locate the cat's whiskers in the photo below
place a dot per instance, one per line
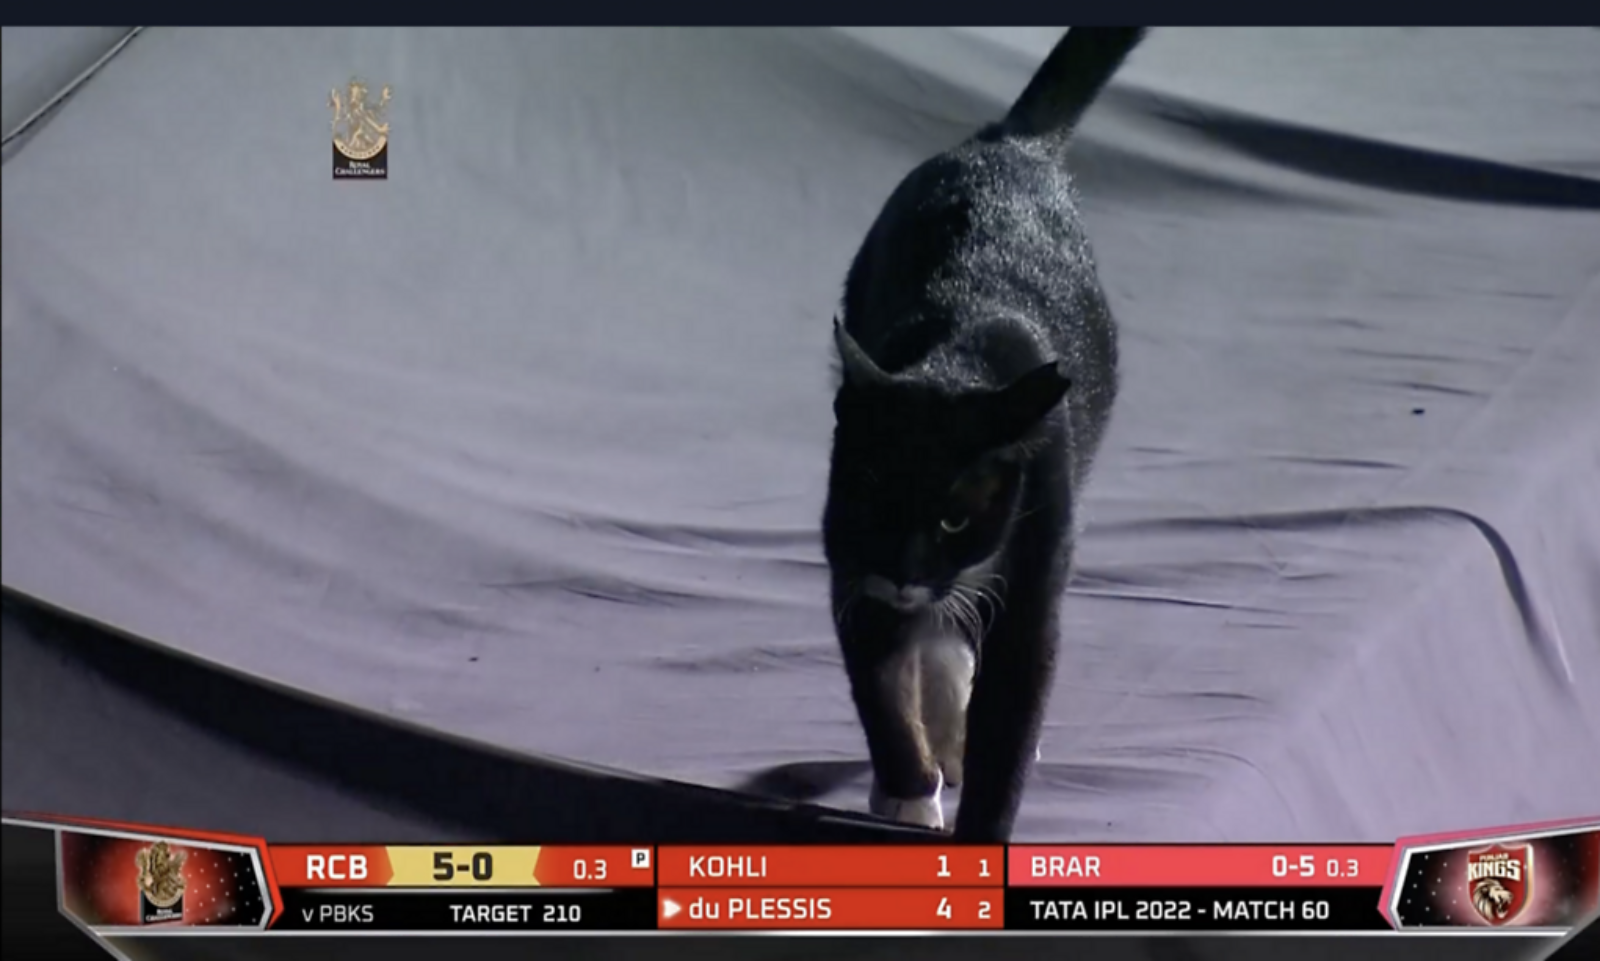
(941, 616)
(992, 604)
(996, 600)
(963, 613)
(978, 590)
(944, 611)
(991, 607)
(974, 618)
(1019, 518)
(852, 594)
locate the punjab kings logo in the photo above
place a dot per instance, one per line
(1500, 880)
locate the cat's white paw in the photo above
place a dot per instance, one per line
(924, 812)
(950, 766)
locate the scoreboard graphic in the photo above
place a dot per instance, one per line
(123, 879)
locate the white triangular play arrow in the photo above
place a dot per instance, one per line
(670, 908)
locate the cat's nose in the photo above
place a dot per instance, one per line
(899, 594)
(912, 595)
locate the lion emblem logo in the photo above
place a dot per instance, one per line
(360, 127)
(1500, 881)
(1492, 899)
(161, 874)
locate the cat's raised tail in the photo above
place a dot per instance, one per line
(1070, 79)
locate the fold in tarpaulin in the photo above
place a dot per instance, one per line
(42, 67)
(186, 742)
(526, 444)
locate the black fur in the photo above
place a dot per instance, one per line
(971, 310)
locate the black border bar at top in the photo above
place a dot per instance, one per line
(1353, 13)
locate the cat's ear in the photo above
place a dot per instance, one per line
(858, 369)
(1016, 409)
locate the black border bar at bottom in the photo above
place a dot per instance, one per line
(1195, 909)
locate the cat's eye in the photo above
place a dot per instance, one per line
(954, 525)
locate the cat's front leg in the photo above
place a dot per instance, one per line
(1004, 719)
(879, 657)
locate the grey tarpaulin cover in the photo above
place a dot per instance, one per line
(526, 444)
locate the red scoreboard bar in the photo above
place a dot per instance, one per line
(1176, 865)
(179, 881)
(1198, 887)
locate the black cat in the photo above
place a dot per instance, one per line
(971, 312)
